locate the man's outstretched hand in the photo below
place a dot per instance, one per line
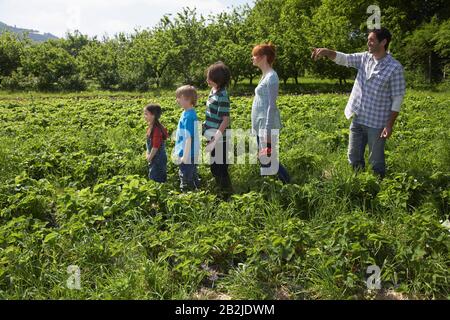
(318, 53)
(322, 52)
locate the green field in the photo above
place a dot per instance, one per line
(73, 191)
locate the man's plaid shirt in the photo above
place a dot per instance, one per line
(372, 94)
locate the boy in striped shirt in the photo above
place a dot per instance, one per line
(217, 121)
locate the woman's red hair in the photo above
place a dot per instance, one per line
(265, 50)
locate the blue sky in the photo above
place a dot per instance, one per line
(99, 17)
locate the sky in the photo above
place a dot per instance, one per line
(100, 17)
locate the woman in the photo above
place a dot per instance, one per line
(266, 120)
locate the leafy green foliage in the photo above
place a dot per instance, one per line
(52, 67)
(74, 191)
(179, 48)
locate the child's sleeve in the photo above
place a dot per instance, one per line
(189, 125)
(157, 138)
(224, 107)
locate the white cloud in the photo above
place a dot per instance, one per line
(97, 17)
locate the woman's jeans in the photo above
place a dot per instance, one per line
(282, 173)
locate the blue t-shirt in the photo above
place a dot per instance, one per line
(187, 127)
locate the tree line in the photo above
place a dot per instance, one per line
(180, 47)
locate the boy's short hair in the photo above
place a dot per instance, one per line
(219, 74)
(188, 92)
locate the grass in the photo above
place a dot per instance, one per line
(74, 192)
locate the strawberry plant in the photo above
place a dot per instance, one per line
(74, 191)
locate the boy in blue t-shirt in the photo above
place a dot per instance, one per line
(187, 139)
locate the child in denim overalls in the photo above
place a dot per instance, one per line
(156, 149)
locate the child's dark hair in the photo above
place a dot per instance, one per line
(156, 110)
(219, 74)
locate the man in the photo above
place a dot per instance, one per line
(375, 99)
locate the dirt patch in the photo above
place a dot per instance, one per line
(282, 293)
(208, 294)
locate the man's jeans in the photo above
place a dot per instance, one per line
(360, 136)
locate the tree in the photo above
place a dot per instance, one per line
(52, 67)
(74, 42)
(337, 25)
(163, 52)
(11, 49)
(414, 12)
(98, 61)
(419, 51)
(134, 69)
(179, 48)
(264, 19)
(442, 45)
(232, 39)
(151, 53)
(294, 54)
(192, 48)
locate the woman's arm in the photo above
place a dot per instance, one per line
(270, 116)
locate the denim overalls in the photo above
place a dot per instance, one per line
(158, 167)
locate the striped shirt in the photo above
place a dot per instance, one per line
(217, 107)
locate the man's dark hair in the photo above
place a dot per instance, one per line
(382, 34)
(219, 74)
